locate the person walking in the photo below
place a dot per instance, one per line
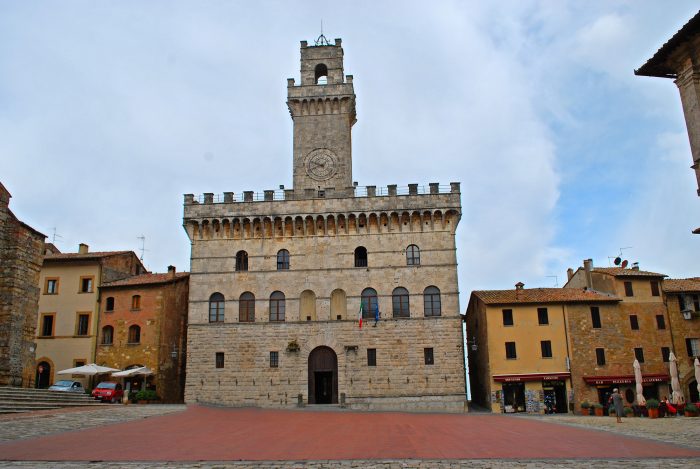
(616, 398)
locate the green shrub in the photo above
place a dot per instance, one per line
(628, 411)
(691, 409)
(146, 395)
(597, 406)
(652, 404)
(585, 405)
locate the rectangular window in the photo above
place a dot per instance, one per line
(600, 356)
(660, 321)
(428, 356)
(79, 362)
(510, 351)
(219, 359)
(628, 289)
(634, 322)
(595, 317)
(542, 316)
(507, 317)
(86, 284)
(274, 359)
(681, 302)
(371, 357)
(665, 353)
(639, 354)
(82, 324)
(655, 288)
(47, 325)
(696, 302)
(51, 286)
(136, 302)
(546, 346)
(693, 347)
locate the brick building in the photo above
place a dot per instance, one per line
(683, 304)
(277, 280)
(143, 322)
(69, 303)
(519, 350)
(605, 342)
(21, 251)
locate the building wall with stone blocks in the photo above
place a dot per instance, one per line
(21, 250)
(161, 317)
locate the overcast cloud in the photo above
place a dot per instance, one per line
(110, 111)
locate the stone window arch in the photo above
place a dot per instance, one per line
(399, 303)
(246, 307)
(107, 335)
(134, 334)
(307, 306)
(369, 302)
(339, 304)
(321, 74)
(109, 304)
(431, 301)
(277, 306)
(361, 256)
(412, 255)
(241, 261)
(136, 302)
(282, 259)
(216, 307)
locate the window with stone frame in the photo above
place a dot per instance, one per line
(82, 324)
(136, 302)
(361, 256)
(600, 356)
(274, 359)
(86, 284)
(246, 307)
(428, 356)
(400, 303)
(639, 354)
(692, 346)
(219, 359)
(412, 255)
(134, 334)
(277, 306)
(51, 286)
(431, 301)
(371, 357)
(241, 261)
(107, 335)
(47, 323)
(283, 259)
(369, 303)
(217, 305)
(109, 304)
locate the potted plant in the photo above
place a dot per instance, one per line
(146, 396)
(653, 408)
(598, 409)
(629, 412)
(585, 408)
(691, 410)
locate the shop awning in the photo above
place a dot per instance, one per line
(626, 379)
(531, 377)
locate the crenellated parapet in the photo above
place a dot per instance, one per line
(389, 210)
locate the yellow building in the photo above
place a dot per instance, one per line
(69, 305)
(518, 347)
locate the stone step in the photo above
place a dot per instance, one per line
(62, 402)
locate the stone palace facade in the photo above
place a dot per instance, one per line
(279, 280)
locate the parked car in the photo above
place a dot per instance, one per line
(108, 391)
(68, 386)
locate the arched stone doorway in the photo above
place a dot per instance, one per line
(43, 375)
(323, 376)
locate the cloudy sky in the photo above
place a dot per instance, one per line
(110, 111)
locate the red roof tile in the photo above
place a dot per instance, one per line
(542, 295)
(679, 285)
(86, 256)
(146, 279)
(620, 272)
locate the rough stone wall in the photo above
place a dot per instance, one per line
(162, 319)
(479, 366)
(682, 329)
(401, 379)
(120, 266)
(21, 250)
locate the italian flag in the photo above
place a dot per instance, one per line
(360, 315)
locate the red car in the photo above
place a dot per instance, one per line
(108, 391)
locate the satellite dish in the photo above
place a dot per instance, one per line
(618, 260)
(624, 264)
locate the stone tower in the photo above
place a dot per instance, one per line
(323, 110)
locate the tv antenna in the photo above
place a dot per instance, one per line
(143, 245)
(556, 280)
(618, 260)
(55, 235)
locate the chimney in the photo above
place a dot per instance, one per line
(519, 285)
(569, 273)
(635, 266)
(171, 271)
(83, 248)
(588, 267)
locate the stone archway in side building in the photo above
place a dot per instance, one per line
(43, 374)
(323, 376)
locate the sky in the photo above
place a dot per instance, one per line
(111, 111)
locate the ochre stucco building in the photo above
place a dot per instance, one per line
(66, 328)
(143, 322)
(277, 279)
(21, 251)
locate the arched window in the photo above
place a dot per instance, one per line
(216, 307)
(136, 302)
(246, 307)
(241, 261)
(109, 306)
(361, 257)
(134, 335)
(399, 303)
(277, 306)
(370, 306)
(431, 301)
(107, 335)
(283, 259)
(412, 255)
(339, 304)
(321, 74)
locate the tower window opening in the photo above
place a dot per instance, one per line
(321, 74)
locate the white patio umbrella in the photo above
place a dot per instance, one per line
(676, 394)
(697, 373)
(638, 380)
(142, 370)
(87, 370)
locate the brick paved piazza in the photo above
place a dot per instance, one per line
(205, 437)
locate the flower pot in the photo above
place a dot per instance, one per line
(653, 413)
(585, 411)
(599, 411)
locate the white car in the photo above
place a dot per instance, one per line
(68, 386)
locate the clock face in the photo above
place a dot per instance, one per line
(320, 164)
